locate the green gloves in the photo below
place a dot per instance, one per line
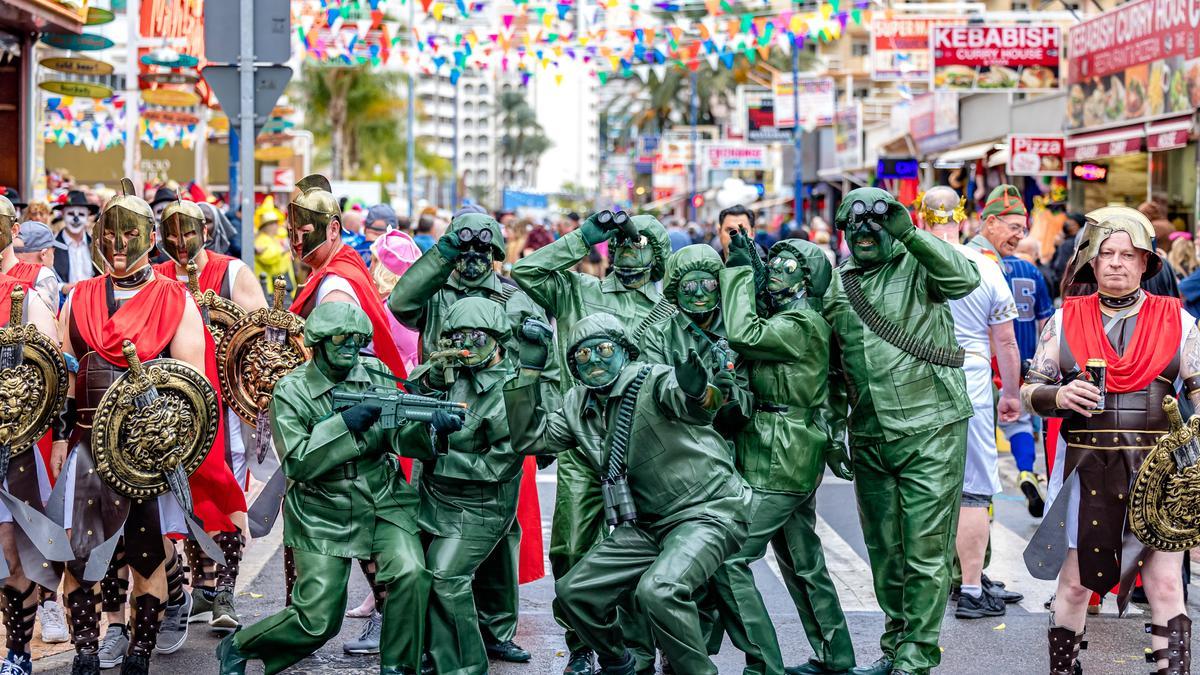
(534, 344)
(724, 381)
(692, 376)
(448, 245)
(742, 253)
(837, 458)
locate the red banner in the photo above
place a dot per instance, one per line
(989, 58)
(900, 46)
(1036, 155)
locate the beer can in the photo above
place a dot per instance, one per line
(1095, 373)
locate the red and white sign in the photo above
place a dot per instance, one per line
(1036, 155)
(1101, 144)
(900, 46)
(991, 58)
(733, 156)
(1168, 134)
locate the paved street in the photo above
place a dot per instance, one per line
(1012, 644)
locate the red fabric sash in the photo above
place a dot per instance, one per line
(1155, 340)
(150, 319)
(24, 272)
(7, 284)
(531, 566)
(210, 277)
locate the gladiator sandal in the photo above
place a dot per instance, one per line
(19, 614)
(1178, 652)
(370, 570)
(147, 619)
(174, 581)
(83, 614)
(232, 544)
(1065, 645)
(114, 590)
(198, 566)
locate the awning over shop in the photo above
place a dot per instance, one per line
(952, 159)
(1156, 136)
(998, 158)
(1168, 134)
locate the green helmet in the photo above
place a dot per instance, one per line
(817, 270)
(654, 232)
(486, 315)
(335, 318)
(689, 259)
(868, 197)
(598, 325)
(482, 221)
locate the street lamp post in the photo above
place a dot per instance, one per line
(695, 112)
(797, 135)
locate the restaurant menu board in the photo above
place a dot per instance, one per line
(900, 47)
(1036, 155)
(996, 58)
(1136, 62)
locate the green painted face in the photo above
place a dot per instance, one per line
(869, 243)
(479, 345)
(633, 260)
(339, 353)
(786, 274)
(699, 293)
(598, 362)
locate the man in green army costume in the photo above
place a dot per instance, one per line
(460, 266)
(347, 500)
(908, 413)
(629, 293)
(679, 508)
(783, 452)
(468, 495)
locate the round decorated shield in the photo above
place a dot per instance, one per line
(33, 380)
(1164, 503)
(260, 348)
(157, 416)
(221, 312)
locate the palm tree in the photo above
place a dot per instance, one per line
(522, 140)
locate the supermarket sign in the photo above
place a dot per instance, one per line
(996, 58)
(900, 47)
(733, 156)
(1036, 155)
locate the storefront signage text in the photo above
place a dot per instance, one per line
(891, 168)
(1036, 155)
(1092, 173)
(900, 47)
(989, 58)
(732, 156)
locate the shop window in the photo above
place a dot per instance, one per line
(860, 49)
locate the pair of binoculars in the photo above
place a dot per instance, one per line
(618, 501)
(620, 221)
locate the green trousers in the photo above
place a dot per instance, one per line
(319, 602)
(908, 497)
(788, 523)
(661, 568)
(496, 589)
(472, 520)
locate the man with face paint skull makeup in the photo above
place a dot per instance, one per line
(348, 501)
(181, 238)
(159, 317)
(74, 263)
(469, 495)
(460, 266)
(782, 454)
(677, 505)
(908, 413)
(639, 254)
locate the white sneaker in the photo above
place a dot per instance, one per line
(54, 624)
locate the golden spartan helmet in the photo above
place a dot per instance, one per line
(315, 205)
(1102, 224)
(181, 231)
(8, 218)
(126, 229)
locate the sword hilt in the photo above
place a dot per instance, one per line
(193, 278)
(280, 291)
(17, 309)
(1171, 407)
(135, 364)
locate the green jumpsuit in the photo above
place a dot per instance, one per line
(692, 505)
(468, 495)
(568, 297)
(420, 301)
(346, 500)
(907, 426)
(782, 456)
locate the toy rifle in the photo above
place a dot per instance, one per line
(398, 406)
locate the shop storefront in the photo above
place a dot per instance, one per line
(21, 21)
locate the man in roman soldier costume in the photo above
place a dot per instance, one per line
(32, 387)
(1104, 363)
(111, 323)
(181, 238)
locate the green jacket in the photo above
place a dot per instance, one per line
(339, 483)
(425, 292)
(570, 296)
(788, 358)
(892, 394)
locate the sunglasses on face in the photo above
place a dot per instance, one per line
(477, 338)
(354, 339)
(788, 265)
(690, 287)
(605, 350)
(467, 235)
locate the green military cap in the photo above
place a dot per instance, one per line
(482, 313)
(335, 318)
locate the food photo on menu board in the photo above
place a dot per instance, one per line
(983, 58)
(1147, 90)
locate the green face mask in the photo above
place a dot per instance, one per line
(698, 293)
(339, 353)
(479, 345)
(598, 362)
(786, 274)
(632, 261)
(868, 246)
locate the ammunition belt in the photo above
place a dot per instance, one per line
(624, 427)
(662, 310)
(893, 334)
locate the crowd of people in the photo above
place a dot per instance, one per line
(692, 386)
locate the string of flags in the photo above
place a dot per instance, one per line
(99, 124)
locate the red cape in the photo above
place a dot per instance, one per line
(1155, 340)
(210, 277)
(26, 273)
(149, 320)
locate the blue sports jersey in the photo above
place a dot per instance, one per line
(1033, 302)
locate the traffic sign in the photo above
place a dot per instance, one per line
(272, 30)
(269, 82)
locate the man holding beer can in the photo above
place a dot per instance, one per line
(1104, 363)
